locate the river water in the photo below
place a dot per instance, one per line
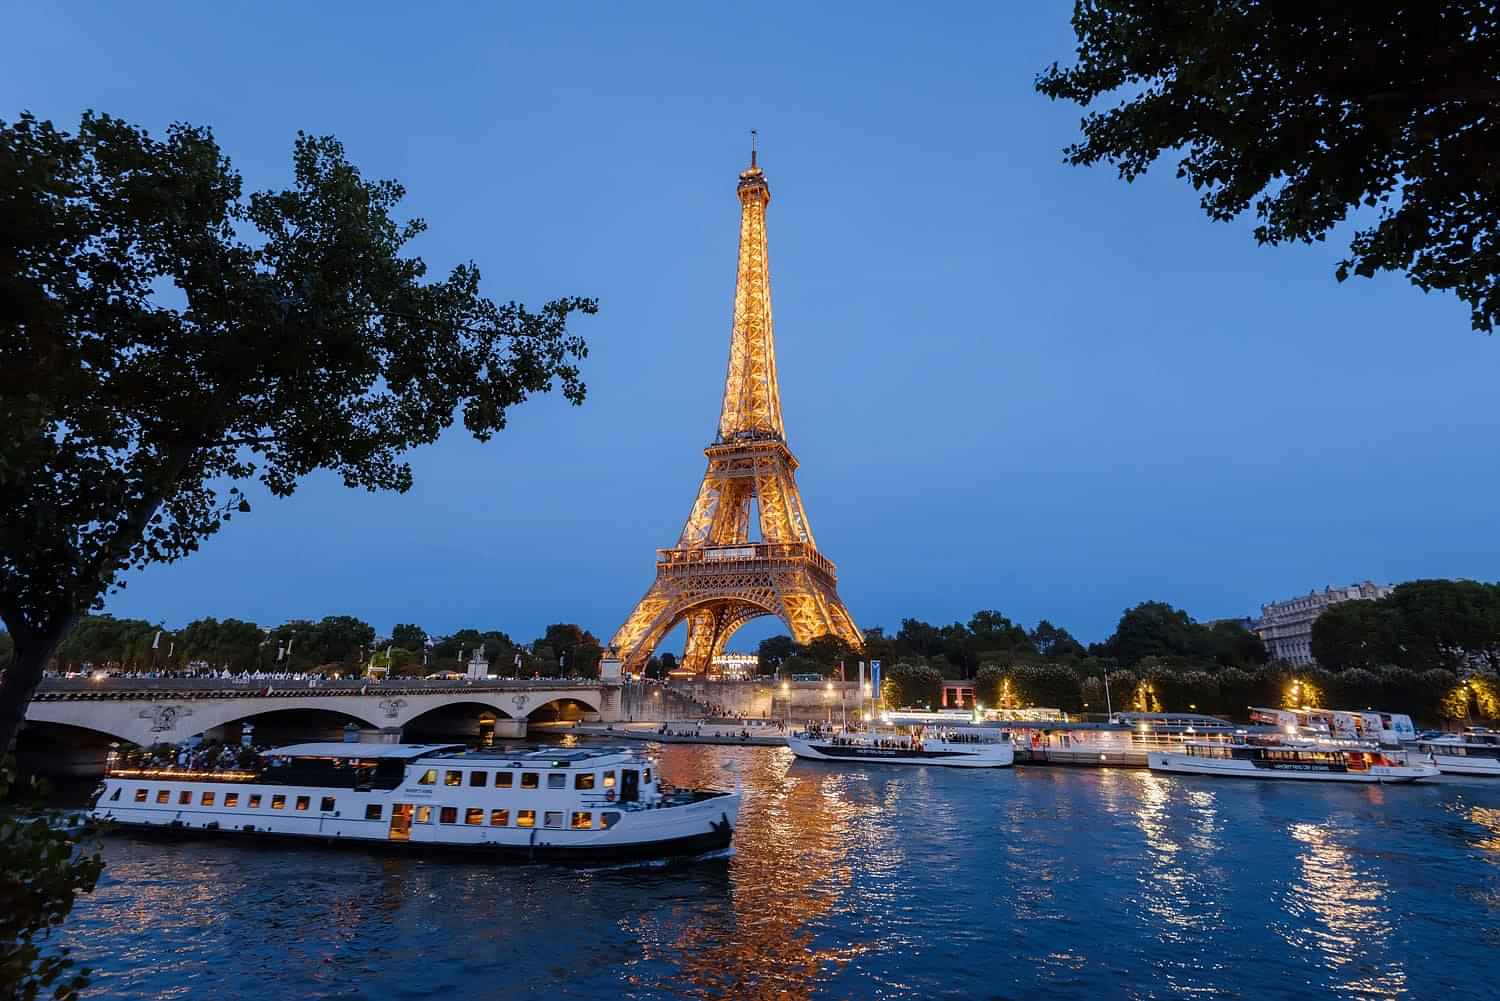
(858, 883)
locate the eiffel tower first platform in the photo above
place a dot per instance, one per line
(716, 578)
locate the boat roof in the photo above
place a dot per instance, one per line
(552, 755)
(346, 749)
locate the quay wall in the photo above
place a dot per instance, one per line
(768, 698)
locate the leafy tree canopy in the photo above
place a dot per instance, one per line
(409, 636)
(1307, 113)
(296, 335)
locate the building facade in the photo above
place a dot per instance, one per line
(1286, 626)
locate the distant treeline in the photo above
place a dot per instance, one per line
(334, 643)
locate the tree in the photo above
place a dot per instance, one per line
(1229, 644)
(828, 650)
(42, 871)
(232, 643)
(908, 684)
(103, 639)
(1054, 642)
(7, 649)
(409, 636)
(1355, 634)
(1152, 629)
(297, 337)
(572, 649)
(334, 639)
(1308, 112)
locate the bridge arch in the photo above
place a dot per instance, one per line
(561, 707)
(718, 617)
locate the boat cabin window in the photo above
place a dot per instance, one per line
(207, 799)
(582, 821)
(528, 780)
(278, 802)
(499, 818)
(372, 811)
(473, 815)
(140, 795)
(552, 818)
(424, 814)
(608, 819)
(453, 777)
(583, 780)
(479, 779)
(647, 777)
(327, 805)
(557, 780)
(503, 780)
(116, 794)
(184, 798)
(609, 780)
(231, 799)
(163, 795)
(428, 778)
(448, 815)
(255, 801)
(525, 818)
(303, 802)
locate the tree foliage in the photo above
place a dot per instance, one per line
(1422, 625)
(297, 336)
(908, 684)
(1306, 114)
(42, 872)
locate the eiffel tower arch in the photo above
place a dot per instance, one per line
(716, 578)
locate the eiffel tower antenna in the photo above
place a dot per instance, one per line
(715, 578)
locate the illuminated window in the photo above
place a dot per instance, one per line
(582, 821)
(448, 815)
(453, 777)
(207, 799)
(529, 780)
(608, 820)
(184, 798)
(278, 802)
(428, 778)
(552, 818)
(163, 796)
(473, 815)
(609, 780)
(479, 779)
(303, 802)
(583, 780)
(499, 818)
(557, 780)
(231, 799)
(525, 818)
(424, 814)
(255, 801)
(372, 811)
(140, 795)
(503, 780)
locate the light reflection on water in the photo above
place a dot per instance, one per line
(877, 883)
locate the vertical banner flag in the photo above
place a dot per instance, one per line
(861, 677)
(156, 642)
(875, 679)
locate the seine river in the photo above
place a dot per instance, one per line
(879, 883)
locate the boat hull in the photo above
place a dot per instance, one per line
(1470, 767)
(1180, 764)
(981, 756)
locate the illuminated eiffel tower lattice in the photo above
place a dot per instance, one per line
(717, 577)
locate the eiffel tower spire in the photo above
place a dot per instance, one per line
(752, 398)
(718, 577)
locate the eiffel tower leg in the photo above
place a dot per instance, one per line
(703, 624)
(633, 642)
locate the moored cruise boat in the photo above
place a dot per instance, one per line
(1325, 763)
(1472, 753)
(550, 804)
(917, 747)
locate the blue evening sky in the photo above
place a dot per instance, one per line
(1011, 383)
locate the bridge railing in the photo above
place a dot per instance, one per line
(65, 690)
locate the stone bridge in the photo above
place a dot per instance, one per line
(169, 711)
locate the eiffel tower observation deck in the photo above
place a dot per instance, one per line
(719, 576)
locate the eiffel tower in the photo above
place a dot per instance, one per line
(716, 578)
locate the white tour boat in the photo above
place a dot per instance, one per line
(1316, 762)
(1473, 752)
(918, 747)
(548, 804)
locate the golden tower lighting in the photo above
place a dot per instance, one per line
(716, 578)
